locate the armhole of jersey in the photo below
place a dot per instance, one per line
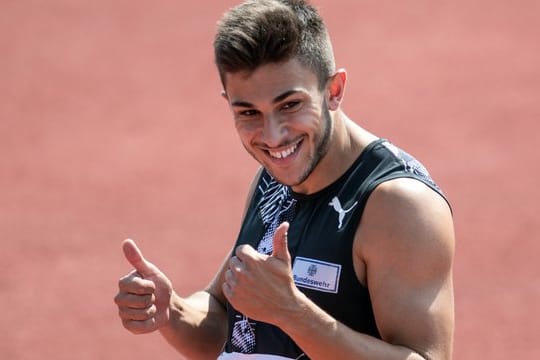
(407, 175)
(393, 150)
(252, 191)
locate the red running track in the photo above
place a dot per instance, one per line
(111, 126)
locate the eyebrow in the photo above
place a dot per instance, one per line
(280, 97)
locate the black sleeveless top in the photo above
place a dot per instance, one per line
(320, 237)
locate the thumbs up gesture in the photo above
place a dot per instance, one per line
(261, 286)
(144, 294)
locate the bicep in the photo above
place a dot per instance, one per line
(407, 247)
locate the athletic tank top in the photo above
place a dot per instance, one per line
(320, 238)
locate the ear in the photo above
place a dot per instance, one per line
(224, 95)
(336, 89)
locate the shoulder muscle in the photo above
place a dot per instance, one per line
(406, 243)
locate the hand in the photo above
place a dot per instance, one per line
(262, 286)
(144, 294)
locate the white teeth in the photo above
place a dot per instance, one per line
(283, 154)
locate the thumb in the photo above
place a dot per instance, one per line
(136, 258)
(279, 244)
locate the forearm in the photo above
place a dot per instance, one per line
(197, 326)
(323, 337)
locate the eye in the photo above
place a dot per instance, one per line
(248, 113)
(291, 105)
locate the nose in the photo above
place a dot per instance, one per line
(273, 131)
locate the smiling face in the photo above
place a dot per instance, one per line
(282, 119)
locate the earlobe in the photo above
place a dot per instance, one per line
(336, 89)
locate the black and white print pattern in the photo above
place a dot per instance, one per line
(276, 206)
(411, 164)
(243, 335)
(276, 198)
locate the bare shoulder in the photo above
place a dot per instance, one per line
(405, 213)
(404, 248)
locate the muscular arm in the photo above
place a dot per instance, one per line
(403, 251)
(195, 325)
(198, 323)
(409, 256)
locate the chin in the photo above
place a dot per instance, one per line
(287, 179)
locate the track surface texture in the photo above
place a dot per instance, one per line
(112, 126)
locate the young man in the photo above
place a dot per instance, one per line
(346, 247)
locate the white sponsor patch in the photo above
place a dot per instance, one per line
(316, 274)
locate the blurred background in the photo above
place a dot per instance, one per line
(112, 126)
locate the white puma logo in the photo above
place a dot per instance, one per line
(336, 204)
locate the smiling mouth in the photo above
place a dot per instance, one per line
(285, 153)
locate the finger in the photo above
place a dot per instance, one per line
(229, 278)
(246, 252)
(135, 284)
(134, 301)
(236, 265)
(280, 248)
(140, 326)
(227, 291)
(137, 314)
(136, 259)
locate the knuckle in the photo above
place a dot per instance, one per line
(140, 315)
(241, 250)
(141, 301)
(151, 311)
(122, 314)
(137, 287)
(144, 287)
(118, 299)
(122, 283)
(134, 301)
(230, 279)
(236, 266)
(127, 279)
(149, 300)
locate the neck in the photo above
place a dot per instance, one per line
(347, 142)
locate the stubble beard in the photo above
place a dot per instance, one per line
(322, 145)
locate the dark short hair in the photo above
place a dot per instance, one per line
(259, 32)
